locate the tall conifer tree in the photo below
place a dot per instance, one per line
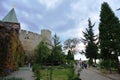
(56, 54)
(91, 50)
(109, 35)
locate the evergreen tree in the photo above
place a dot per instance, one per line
(57, 54)
(69, 57)
(41, 53)
(91, 50)
(109, 36)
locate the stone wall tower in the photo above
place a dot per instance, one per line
(46, 36)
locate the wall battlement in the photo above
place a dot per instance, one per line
(30, 40)
(24, 34)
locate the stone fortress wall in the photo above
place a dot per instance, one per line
(30, 40)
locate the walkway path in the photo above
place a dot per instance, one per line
(88, 74)
(24, 73)
(113, 76)
(94, 74)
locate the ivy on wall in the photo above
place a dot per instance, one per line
(11, 51)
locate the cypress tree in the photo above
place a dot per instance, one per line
(109, 36)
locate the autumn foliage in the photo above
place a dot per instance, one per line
(11, 50)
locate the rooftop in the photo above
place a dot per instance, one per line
(10, 17)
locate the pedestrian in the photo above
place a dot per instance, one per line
(85, 65)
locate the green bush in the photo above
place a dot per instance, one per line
(36, 70)
(72, 75)
(35, 67)
(76, 78)
(13, 78)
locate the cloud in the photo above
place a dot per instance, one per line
(79, 56)
(82, 9)
(50, 4)
(25, 26)
(70, 33)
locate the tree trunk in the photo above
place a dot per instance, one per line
(95, 61)
(90, 62)
(118, 65)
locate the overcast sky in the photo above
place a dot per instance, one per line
(66, 18)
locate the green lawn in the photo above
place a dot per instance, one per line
(57, 74)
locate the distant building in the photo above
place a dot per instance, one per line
(29, 39)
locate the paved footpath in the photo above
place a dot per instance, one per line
(24, 73)
(113, 76)
(88, 74)
(93, 74)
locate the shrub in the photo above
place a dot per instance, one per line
(13, 78)
(36, 70)
(72, 75)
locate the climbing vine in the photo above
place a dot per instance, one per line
(11, 51)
